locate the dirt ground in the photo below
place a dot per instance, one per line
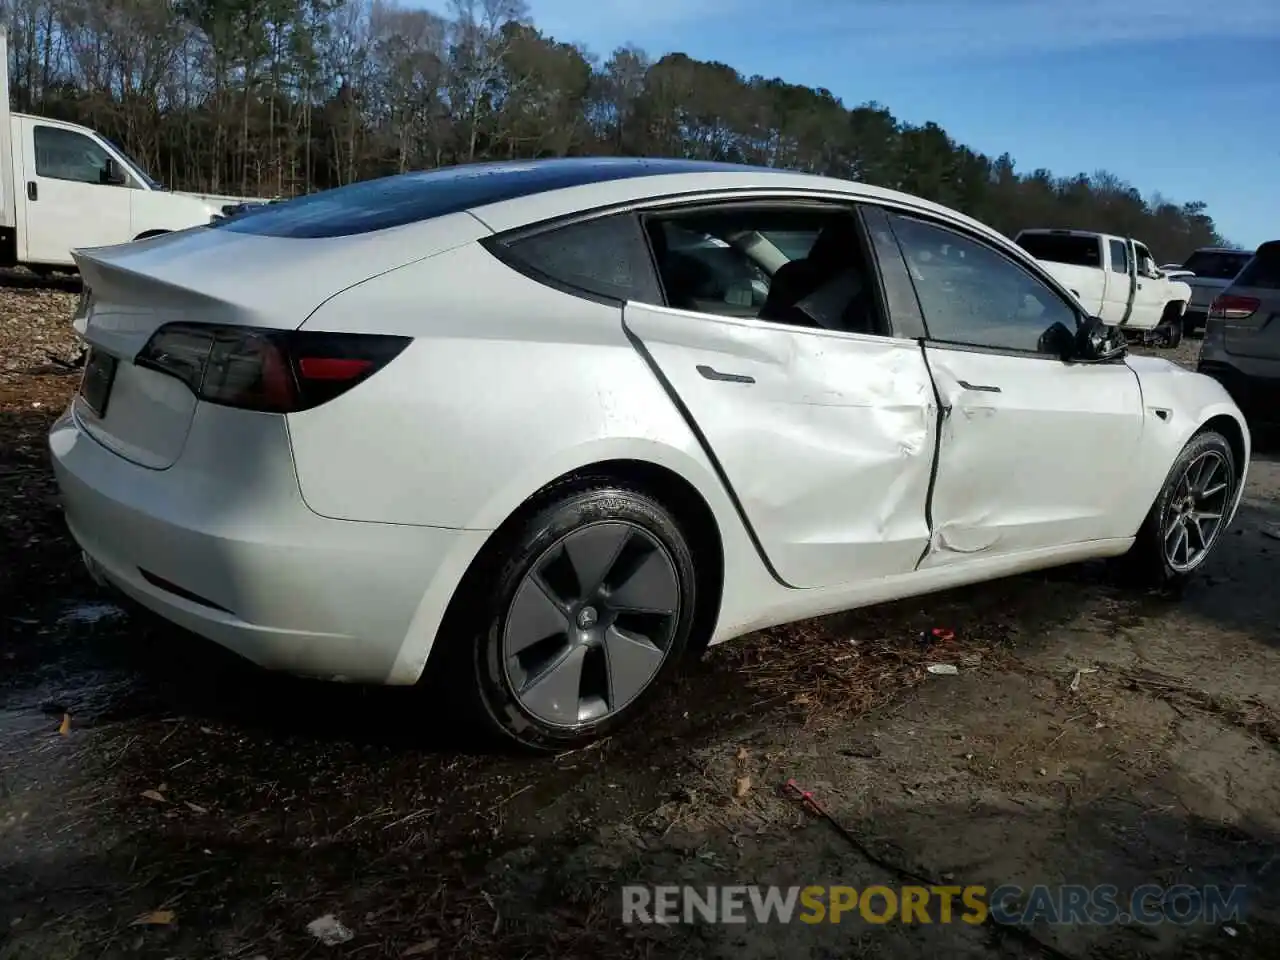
(160, 799)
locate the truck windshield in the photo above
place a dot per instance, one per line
(1062, 248)
(1216, 264)
(137, 167)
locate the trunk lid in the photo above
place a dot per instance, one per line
(1203, 290)
(211, 276)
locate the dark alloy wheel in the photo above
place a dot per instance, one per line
(1188, 517)
(591, 623)
(1194, 513)
(589, 609)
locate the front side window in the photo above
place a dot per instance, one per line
(67, 155)
(972, 295)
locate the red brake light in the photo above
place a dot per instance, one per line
(274, 371)
(1229, 307)
(332, 368)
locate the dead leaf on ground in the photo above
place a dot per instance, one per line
(156, 918)
(155, 795)
(742, 753)
(329, 930)
(421, 949)
(65, 727)
(196, 808)
(741, 787)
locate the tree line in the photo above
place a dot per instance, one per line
(284, 97)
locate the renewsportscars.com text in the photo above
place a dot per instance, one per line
(1007, 904)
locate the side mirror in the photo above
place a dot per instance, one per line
(1096, 342)
(112, 174)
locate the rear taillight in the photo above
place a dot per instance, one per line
(1228, 307)
(275, 371)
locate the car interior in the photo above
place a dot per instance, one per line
(726, 264)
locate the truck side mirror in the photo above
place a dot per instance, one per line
(112, 174)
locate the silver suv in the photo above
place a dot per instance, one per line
(1241, 348)
(1213, 269)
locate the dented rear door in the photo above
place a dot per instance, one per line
(825, 438)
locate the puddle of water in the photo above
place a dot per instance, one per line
(91, 613)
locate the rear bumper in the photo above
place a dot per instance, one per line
(226, 548)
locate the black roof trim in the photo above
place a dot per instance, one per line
(413, 197)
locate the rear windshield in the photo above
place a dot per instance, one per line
(1216, 264)
(1263, 270)
(1062, 248)
(412, 197)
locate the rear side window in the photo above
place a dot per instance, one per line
(1216, 264)
(1062, 248)
(1263, 271)
(1119, 257)
(606, 257)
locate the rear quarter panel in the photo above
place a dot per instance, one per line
(507, 384)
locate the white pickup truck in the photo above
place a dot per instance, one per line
(64, 186)
(1114, 278)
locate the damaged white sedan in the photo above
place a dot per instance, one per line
(542, 429)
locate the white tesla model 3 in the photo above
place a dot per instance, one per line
(543, 428)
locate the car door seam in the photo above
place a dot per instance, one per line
(720, 472)
(943, 411)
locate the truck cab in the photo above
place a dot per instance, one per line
(1114, 278)
(64, 186)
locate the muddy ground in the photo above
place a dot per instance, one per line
(160, 799)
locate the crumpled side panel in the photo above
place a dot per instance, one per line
(829, 447)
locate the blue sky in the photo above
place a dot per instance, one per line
(1179, 96)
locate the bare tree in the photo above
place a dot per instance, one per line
(281, 97)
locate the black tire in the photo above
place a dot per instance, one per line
(1148, 563)
(1171, 325)
(500, 686)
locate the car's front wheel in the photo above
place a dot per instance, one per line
(589, 608)
(1188, 517)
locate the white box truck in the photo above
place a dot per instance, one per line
(63, 186)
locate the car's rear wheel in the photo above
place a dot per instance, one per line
(1188, 517)
(1171, 325)
(590, 606)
